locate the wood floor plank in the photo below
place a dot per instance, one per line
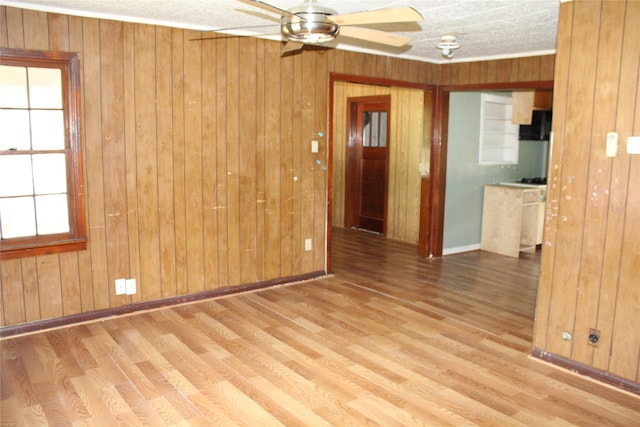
(387, 339)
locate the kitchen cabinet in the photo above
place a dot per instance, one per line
(512, 218)
(525, 101)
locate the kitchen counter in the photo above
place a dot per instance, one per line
(512, 218)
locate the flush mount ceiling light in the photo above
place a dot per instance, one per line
(309, 24)
(448, 45)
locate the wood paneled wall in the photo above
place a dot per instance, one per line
(590, 274)
(198, 170)
(406, 128)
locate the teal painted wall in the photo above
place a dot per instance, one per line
(466, 178)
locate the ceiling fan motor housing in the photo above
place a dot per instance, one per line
(309, 24)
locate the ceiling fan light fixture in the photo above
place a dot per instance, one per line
(309, 24)
(448, 45)
(310, 30)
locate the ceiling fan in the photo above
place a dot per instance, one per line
(313, 24)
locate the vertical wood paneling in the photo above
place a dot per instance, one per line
(58, 32)
(625, 348)
(247, 125)
(179, 173)
(13, 303)
(553, 189)
(146, 162)
(298, 100)
(36, 34)
(15, 28)
(320, 170)
(85, 281)
(286, 167)
(590, 270)
(260, 136)
(232, 181)
(49, 287)
(92, 123)
(273, 208)
(4, 36)
(599, 174)
(193, 165)
(129, 105)
(113, 151)
(29, 278)
(70, 283)
(572, 179)
(222, 210)
(166, 214)
(209, 159)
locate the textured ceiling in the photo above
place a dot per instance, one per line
(486, 29)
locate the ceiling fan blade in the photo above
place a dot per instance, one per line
(291, 46)
(374, 36)
(381, 16)
(267, 6)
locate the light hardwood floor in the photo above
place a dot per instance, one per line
(389, 339)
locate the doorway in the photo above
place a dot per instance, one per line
(367, 163)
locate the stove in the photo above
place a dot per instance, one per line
(534, 181)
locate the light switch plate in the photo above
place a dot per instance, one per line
(314, 146)
(612, 144)
(633, 145)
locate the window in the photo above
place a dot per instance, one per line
(41, 191)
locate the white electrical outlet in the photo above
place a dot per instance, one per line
(131, 286)
(121, 286)
(308, 244)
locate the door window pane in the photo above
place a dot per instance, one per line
(374, 128)
(383, 128)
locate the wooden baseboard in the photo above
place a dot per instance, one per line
(149, 305)
(586, 370)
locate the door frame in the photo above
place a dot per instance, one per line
(432, 186)
(426, 181)
(354, 155)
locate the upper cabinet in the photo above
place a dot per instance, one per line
(525, 101)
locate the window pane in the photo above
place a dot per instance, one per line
(375, 126)
(49, 174)
(15, 130)
(383, 129)
(47, 129)
(13, 87)
(45, 88)
(18, 217)
(52, 214)
(366, 132)
(15, 176)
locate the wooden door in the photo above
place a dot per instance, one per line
(367, 163)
